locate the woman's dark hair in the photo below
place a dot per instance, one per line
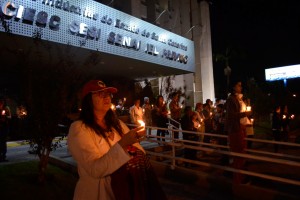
(233, 83)
(198, 105)
(221, 106)
(276, 107)
(157, 100)
(187, 109)
(87, 116)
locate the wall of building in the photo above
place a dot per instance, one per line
(190, 19)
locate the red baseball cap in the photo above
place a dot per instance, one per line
(96, 86)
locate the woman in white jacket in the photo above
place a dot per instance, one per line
(98, 141)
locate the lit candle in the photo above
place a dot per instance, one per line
(124, 99)
(142, 123)
(113, 107)
(248, 108)
(3, 112)
(252, 120)
(283, 116)
(292, 116)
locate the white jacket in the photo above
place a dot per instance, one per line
(95, 161)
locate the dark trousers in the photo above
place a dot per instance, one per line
(3, 145)
(249, 143)
(277, 137)
(238, 144)
(176, 133)
(161, 133)
(190, 153)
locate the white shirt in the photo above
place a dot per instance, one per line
(136, 113)
(96, 161)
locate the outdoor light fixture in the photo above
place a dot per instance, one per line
(160, 15)
(110, 2)
(193, 28)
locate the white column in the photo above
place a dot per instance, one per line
(207, 72)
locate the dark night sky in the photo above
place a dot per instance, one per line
(262, 34)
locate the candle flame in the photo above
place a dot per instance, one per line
(113, 107)
(248, 108)
(292, 116)
(142, 123)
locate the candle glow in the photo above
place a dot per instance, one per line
(113, 107)
(292, 116)
(248, 108)
(142, 123)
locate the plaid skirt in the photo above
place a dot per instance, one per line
(136, 179)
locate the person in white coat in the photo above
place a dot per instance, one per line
(98, 141)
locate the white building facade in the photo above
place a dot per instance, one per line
(190, 19)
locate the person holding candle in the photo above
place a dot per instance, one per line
(277, 126)
(200, 118)
(236, 130)
(188, 123)
(111, 163)
(160, 117)
(147, 113)
(5, 116)
(208, 121)
(120, 107)
(136, 112)
(286, 119)
(175, 110)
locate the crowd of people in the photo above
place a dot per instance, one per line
(111, 162)
(280, 118)
(232, 117)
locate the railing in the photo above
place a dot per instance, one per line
(278, 158)
(172, 129)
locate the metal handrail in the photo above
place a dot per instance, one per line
(265, 176)
(173, 120)
(221, 149)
